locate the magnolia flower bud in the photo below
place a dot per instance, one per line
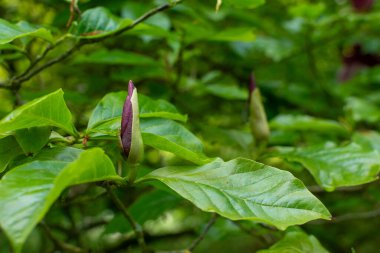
(257, 117)
(130, 134)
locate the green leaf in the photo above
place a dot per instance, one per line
(160, 108)
(296, 241)
(243, 189)
(227, 91)
(99, 22)
(33, 139)
(306, 123)
(243, 3)
(234, 34)
(10, 32)
(49, 110)
(334, 167)
(29, 190)
(9, 149)
(171, 136)
(111, 107)
(115, 57)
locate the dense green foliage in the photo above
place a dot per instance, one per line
(259, 122)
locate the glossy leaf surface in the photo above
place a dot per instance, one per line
(49, 110)
(244, 189)
(30, 189)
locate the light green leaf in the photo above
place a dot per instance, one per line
(334, 167)
(49, 110)
(306, 123)
(9, 149)
(160, 108)
(28, 191)
(33, 139)
(171, 136)
(227, 91)
(243, 3)
(10, 32)
(243, 189)
(234, 34)
(111, 107)
(99, 22)
(296, 241)
(115, 57)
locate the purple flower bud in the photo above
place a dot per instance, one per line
(252, 86)
(126, 121)
(130, 134)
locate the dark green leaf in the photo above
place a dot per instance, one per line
(9, 149)
(33, 139)
(99, 22)
(115, 57)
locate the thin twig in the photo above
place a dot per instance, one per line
(358, 215)
(60, 244)
(135, 226)
(198, 240)
(16, 82)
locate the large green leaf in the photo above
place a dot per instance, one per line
(337, 166)
(49, 110)
(163, 134)
(296, 241)
(28, 191)
(306, 123)
(9, 149)
(244, 189)
(10, 32)
(111, 107)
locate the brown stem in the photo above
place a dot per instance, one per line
(202, 236)
(135, 226)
